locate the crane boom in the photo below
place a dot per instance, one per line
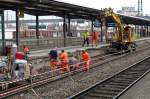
(123, 37)
(117, 20)
(119, 26)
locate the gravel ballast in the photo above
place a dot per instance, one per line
(66, 87)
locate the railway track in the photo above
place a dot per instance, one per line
(47, 77)
(114, 86)
(10, 88)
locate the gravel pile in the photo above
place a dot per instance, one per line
(66, 87)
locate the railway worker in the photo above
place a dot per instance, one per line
(53, 55)
(14, 50)
(86, 35)
(94, 38)
(26, 51)
(9, 57)
(86, 60)
(12, 59)
(74, 63)
(8, 50)
(64, 61)
(21, 67)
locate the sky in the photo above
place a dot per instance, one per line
(97, 4)
(116, 4)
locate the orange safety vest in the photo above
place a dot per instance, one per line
(64, 57)
(26, 50)
(86, 56)
(94, 35)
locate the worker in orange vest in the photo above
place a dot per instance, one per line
(64, 60)
(26, 51)
(53, 55)
(86, 60)
(94, 36)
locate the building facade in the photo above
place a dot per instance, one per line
(131, 11)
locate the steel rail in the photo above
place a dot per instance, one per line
(40, 82)
(111, 94)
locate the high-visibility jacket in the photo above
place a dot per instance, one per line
(85, 56)
(64, 57)
(26, 50)
(86, 35)
(19, 55)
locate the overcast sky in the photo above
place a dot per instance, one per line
(98, 4)
(116, 4)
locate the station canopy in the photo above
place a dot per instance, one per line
(61, 9)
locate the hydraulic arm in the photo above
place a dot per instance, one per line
(109, 13)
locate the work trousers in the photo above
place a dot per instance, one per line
(64, 66)
(86, 65)
(94, 42)
(53, 64)
(77, 65)
(86, 40)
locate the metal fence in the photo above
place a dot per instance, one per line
(38, 44)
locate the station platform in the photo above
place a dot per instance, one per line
(45, 52)
(141, 90)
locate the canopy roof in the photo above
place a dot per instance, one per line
(52, 7)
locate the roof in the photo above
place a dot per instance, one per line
(52, 7)
(134, 20)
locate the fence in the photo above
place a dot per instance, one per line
(38, 44)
